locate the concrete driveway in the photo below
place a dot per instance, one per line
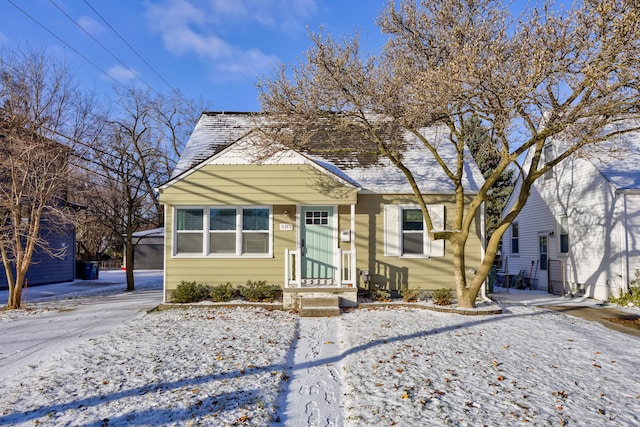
(69, 315)
(614, 317)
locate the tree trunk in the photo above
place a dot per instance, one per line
(129, 264)
(467, 294)
(465, 297)
(15, 292)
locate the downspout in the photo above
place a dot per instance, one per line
(483, 240)
(164, 261)
(625, 240)
(352, 267)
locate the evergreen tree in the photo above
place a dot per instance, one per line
(485, 152)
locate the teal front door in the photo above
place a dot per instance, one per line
(317, 241)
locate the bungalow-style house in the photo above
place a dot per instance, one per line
(579, 232)
(310, 223)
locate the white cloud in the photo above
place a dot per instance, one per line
(281, 14)
(121, 74)
(182, 41)
(234, 62)
(91, 26)
(174, 14)
(247, 63)
(201, 27)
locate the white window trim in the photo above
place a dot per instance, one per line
(559, 240)
(206, 233)
(174, 241)
(393, 231)
(511, 239)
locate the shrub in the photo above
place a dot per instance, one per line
(222, 292)
(259, 291)
(190, 292)
(632, 296)
(410, 295)
(442, 296)
(382, 295)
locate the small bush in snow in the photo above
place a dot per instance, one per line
(259, 291)
(442, 296)
(382, 295)
(410, 295)
(222, 292)
(190, 292)
(632, 296)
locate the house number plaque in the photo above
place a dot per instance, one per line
(286, 227)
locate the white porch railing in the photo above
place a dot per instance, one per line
(345, 267)
(292, 269)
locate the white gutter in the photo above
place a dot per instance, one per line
(483, 240)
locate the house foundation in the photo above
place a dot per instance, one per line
(292, 297)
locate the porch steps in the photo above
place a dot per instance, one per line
(319, 306)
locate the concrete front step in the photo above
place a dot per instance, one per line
(319, 306)
(331, 301)
(320, 312)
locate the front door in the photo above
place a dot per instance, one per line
(543, 258)
(317, 242)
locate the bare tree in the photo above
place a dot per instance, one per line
(40, 102)
(550, 74)
(137, 153)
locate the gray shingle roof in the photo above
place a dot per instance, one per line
(216, 131)
(623, 169)
(212, 134)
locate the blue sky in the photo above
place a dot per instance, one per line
(214, 49)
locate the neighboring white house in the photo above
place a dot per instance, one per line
(579, 232)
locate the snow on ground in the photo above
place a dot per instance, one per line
(109, 282)
(411, 367)
(380, 366)
(177, 367)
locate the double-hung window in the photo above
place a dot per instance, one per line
(255, 231)
(406, 233)
(515, 238)
(189, 231)
(413, 236)
(230, 231)
(564, 234)
(548, 157)
(222, 231)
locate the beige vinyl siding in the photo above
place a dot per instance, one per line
(284, 187)
(258, 185)
(280, 186)
(395, 273)
(233, 270)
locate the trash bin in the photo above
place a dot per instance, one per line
(91, 270)
(491, 279)
(79, 269)
(88, 271)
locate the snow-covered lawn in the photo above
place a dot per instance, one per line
(176, 367)
(398, 366)
(529, 366)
